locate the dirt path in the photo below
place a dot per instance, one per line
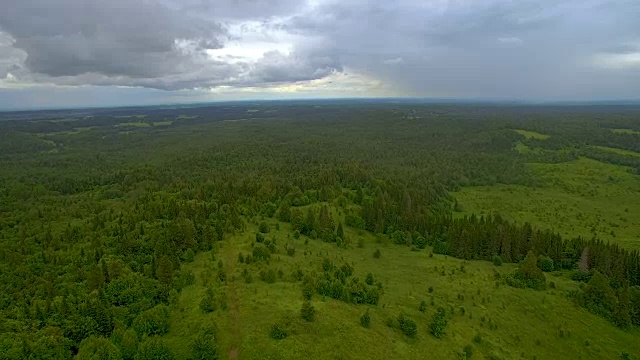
(229, 259)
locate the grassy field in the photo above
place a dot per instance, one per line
(495, 320)
(619, 151)
(532, 134)
(625, 131)
(583, 197)
(138, 124)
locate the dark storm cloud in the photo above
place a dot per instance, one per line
(496, 48)
(116, 37)
(456, 48)
(136, 43)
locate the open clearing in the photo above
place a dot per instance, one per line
(583, 197)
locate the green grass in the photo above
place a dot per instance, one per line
(186, 117)
(139, 124)
(583, 197)
(619, 151)
(528, 322)
(130, 117)
(531, 134)
(625, 131)
(162, 123)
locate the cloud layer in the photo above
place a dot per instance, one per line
(529, 49)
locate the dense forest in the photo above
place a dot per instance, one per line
(101, 211)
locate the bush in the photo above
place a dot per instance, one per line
(376, 254)
(291, 250)
(468, 351)
(153, 349)
(439, 323)
(528, 275)
(497, 260)
(369, 279)
(263, 228)
(307, 312)
(365, 320)
(268, 276)
(208, 303)
(407, 325)
(423, 306)
(545, 263)
(204, 347)
(261, 253)
(188, 255)
(154, 321)
(277, 332)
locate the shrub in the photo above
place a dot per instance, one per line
(277, 332)
(188, 255)
(261, 253)
(439, 323)
(369, 279)
(365, 320)
(268, 276)
(407, 325)
(376, 254)
(204, 347)
(545, 263)
(423, 306)
(528, 275)
(307, 312)
(208, 303)
(263, 228)
(468, 351)
(497, 260)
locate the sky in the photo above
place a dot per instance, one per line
(68, 53)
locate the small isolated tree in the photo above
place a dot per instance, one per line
(497, 260)
(277, 332)
(598, 296)
(208, 302)
(365, 320)
(307, 311)
(340, 231)
(204, 346)
(439, 323)
(263, 227)
(528, 275)
(423, 306)
(369, 279)
(407, 325)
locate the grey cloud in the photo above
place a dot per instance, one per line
(454, 48)
(277, 67)
(116, 37)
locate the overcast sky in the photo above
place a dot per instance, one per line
(57, 53)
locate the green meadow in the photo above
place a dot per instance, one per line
(492, 319)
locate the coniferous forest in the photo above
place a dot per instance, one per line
(321, 229)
